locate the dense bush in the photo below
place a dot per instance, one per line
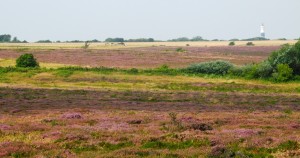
(27, 60)
(288, 54)
(283, 73)
(249, 44)
(215, 67)
(232, 43)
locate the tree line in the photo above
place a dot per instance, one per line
(7, 38)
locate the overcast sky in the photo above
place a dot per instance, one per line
(160, 19)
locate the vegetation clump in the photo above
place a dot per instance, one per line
(218, 67)
(27, 61)
(250, 44)
(232, 43)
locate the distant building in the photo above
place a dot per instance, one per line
(262, 31)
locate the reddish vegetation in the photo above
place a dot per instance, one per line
(149, 56)
(92, 117)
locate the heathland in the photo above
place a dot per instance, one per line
(145, 100)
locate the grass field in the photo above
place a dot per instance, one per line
(52, 112)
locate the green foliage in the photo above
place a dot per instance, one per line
(249, 44)
(27, 60)
(232, 43)
(184, 39)
(283, 73)
(64, 73)
(43, 41)
(214, 67)
(156, 144)
(115, 40)
(180, 50)
(141, 40)
(5, 38)
(289, 145)
(288, 54)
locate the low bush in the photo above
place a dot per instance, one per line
(26, 61)
(218, 67)
(283, 73)
(249, 44)
(232, 43)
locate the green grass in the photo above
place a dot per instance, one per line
(175, 145)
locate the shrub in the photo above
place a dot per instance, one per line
(232, 43)
(288, 54)
(250, 44)
(283, 73)
(215, 67)
(180, 50)
(264, 70)
(27, 60)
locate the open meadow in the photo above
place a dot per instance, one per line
(121, 102)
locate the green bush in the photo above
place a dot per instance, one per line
(27, 60)
(288, 54)
(250, 44)
(264, 70)
(232, 43)
(214, 67)
(283, 73)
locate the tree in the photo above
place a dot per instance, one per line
(5, 38)
(44, 41)
(288, 54)
(27, 60)
(15, 40)
(115, 40)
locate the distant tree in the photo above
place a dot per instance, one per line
(15, 40)
(27, 60)
(95, 41)
(141, 40)
(255, 39)
(234, 39)
(197, 38)
(44, 41)
(180, 39)
(282, 39)
(115, 40)
(5, 38)
(232, 43)
(215, 40)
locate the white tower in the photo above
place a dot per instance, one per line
(262, 31)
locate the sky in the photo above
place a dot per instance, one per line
(34, 20)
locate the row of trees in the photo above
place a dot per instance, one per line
(184, 39)
(6, 38)
(129, 40)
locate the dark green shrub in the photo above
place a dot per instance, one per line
(27, 60)
(232, 43)
(214, 67)
(250, 44)
(264, 70)
(288, 54)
